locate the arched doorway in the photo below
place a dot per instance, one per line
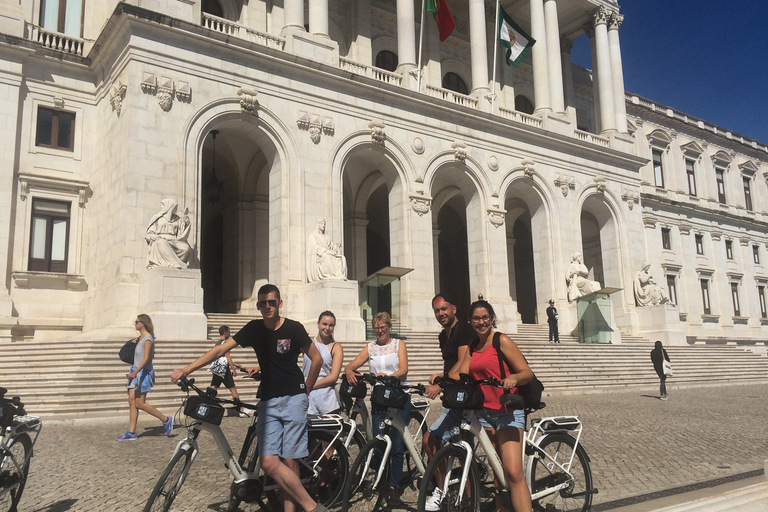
(600, 242)
(453, 270)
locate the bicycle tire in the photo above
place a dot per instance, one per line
(170, 482)
(360, 493)
(411, 472)
(453, 457)
(249, 455)
(21, 446)
(544, 473)
(356, 445)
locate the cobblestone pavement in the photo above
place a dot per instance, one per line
(637, 444)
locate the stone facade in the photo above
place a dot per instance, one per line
(473, 195)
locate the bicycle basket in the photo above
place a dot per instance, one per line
(204, 410)
(387, 396)
(7, 411)
(463, 396)
(358, 390)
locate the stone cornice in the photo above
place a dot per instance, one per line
(691, 211)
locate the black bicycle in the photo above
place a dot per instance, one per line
(18, 435)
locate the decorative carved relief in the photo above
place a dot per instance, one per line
(315, 125)
(184, 92)
(685, 229)
(565, 182)
(632, 197)
(420, 203)
(715, 235)
(493, 163)
(58, 102)
(248, 101)
(496, 217)
(417, 145)
(601, 16)
(165, 99)
(377, 131)
(116, 99)
(615, 21)
(528, 168)
(600, 184)
(649, 222)
(149, 83)
(459, 151)
(329, 127)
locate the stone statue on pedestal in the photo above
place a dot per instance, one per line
(576, 279)
(324, 258)
(167, 237)
(647, 292)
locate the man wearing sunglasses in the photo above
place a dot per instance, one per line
(282, 410)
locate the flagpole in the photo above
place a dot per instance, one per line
(495, 49)
(421, 46)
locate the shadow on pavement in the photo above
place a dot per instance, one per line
(59, 506)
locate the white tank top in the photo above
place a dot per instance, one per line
(322, 400)
(384, 358)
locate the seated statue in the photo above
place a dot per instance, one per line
(167, 237)
(647, 292)
(324, 258)
(576, 279)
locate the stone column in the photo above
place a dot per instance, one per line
(590, 31)
(617, 72)
(553, 56)
(318, 17)
(478, 45)
(406, 34)
(542, 98)
(569, 96)
(362, 46)
(604, 80)
(294, 15)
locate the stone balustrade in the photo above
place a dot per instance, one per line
(520, 117)
(55, 40)
(445, 94)
(382, 75)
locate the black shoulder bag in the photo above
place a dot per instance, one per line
(530, 392)
(128, 350)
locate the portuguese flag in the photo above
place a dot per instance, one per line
(445, 23)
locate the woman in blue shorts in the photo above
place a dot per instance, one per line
(141, 378)
(505, 428)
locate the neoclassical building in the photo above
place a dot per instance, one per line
(229, 129)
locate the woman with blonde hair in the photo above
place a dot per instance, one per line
(141, 378)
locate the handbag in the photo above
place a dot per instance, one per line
(387, 396)
(463, 396)
(128, 351)
(531, 392)
(666, 367)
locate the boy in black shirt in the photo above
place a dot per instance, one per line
(282, 410)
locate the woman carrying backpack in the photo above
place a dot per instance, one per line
(505, 428)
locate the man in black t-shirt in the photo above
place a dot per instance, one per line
(454, 342)
(282, 411)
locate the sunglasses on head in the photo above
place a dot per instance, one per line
(264, 303)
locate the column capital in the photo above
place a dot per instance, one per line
(601, 16)
(589, 29)
(615, 21)
(566, 45)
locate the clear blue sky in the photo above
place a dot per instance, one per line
(707, 58)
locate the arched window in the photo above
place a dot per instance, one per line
(386, 60)
(213, 7)
(523, 104)
(455, 83)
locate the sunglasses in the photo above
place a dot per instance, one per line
(136, 322)
(264, 303)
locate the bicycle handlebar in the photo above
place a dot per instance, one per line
(185, 384)
(391, 381)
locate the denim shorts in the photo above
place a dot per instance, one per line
(450, 418)
(501, 419)
(283, 426)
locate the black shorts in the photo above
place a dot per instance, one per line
(227, 379)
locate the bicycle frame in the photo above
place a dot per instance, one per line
(21, 424)
(394, 419)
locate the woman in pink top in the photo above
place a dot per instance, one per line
(505, 428)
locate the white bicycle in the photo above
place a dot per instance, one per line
(16, 441)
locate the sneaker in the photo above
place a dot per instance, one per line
(663, 397)
(243, 414)
(320, 508)
(128, 436)
(168, 424)
(433, 502)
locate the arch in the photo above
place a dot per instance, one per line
(383, 43)
(660, 138)
(336, 34)
(455, 83)
(722, 159)
(457, 67)
(524, 104)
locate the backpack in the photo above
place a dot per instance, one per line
(127, 351)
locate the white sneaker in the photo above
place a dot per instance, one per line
(433, 502)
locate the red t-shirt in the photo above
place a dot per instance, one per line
(484, 365)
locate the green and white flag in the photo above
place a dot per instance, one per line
(513, 38)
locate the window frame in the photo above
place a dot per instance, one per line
(729, 249)
(690, 172)
(747, 183)
(658, 170)
(761, 301)
(61, 21)
(56, 115)
(47, 264)
(666, 239)
(699, 241)
(735, 299)
(756, 254)
(720, 181)
(672, 288)
(705, 296)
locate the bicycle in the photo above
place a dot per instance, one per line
(368, 480)
(16, 449)
(557, 470)
(248, 484)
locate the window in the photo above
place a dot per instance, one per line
(65, 16)
(691, 174)
(747, 193)
(213, 7)
(756, 254)
(658, 169)
(523, 104)
(455, 83)
(385, 59)
(720, 177)
(665, 240)
(49, 237)
(705, 297)
(735, 297)
(761, 298)
(55, 129)
(672, 288)
(729, 249)
(699, 244)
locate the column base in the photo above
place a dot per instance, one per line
(342, 299)
(174, 300)
(313, 47)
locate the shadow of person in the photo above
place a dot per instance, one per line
(59, 506)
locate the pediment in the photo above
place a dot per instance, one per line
(722, 159)
(692, 149)
(660, 139)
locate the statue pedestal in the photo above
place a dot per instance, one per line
(341, 298)
(174, 300)
(661, 322)
(596, 322)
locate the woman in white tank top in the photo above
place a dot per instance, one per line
(385, 357)
(322, 398)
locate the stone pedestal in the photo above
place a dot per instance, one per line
(174, 300)
(341, 298)
(661, 322)
(317, 49)
(7, 321)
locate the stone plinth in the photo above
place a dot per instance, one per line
(312, 47)
(661, 322)
(174, 300)
(341, 298)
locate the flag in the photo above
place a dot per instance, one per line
(445, 23)
(513, 38)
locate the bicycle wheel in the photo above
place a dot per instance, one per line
(577, 496)
(170, 482)
(18, 451)
(361, 493)
(417, 430)
(450, 459)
